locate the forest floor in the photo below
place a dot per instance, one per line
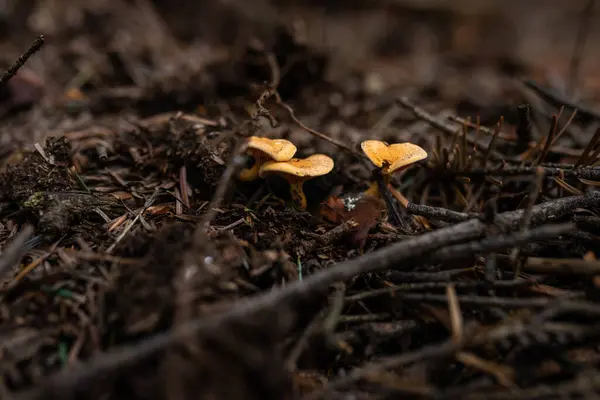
(136, 265)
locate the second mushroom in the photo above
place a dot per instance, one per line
(390, 159)
(298, 170)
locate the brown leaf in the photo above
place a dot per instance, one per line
(366, 213)
(333, 210)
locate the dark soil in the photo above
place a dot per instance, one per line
(135, 265)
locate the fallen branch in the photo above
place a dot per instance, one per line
(559, 100)
(590, 173)
(13, 69)
(398, 254)
(442, 214)
(445, 127)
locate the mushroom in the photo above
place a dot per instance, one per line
(390, 159)
(263, 149)
(298, 170)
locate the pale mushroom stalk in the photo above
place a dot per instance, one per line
(297, 171)
(373, 190)
(250, 174)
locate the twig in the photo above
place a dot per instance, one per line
(524, 127)
(331, 236)
(558, 100)
(585, 154)
(503, 374)
(404, 287)
(442, 126)
(235, 163)
(336, 308)
(302, 342)
(275, 70)
(490, 147)
(13, 69)
(427, 277)
(431, 352)
(393, 212)
(488, 244)
(15, 250)
(583, 385)
(564, 128)
(147, 204)
(568, 266)
(482, 301)
(548, 140)
(439, 213)
(484, 129)
(412, 249)
(534, 192)
(456, 319)
(590, 173)
(318, 134)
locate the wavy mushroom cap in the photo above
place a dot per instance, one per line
(395, 156)
(315, 165)
(276, 149)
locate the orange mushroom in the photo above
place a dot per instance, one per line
(296, 171)
(263, 149)
(390, 159)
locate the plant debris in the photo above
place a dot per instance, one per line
(160, 237)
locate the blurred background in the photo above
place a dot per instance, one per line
(460, 50)
(360, 34)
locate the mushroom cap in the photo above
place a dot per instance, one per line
(394, 156)
(315, 165)
(277, 149)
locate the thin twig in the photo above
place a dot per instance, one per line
(147, 204)
(548, 140)
(412, 249)
(534, 193)
(404, 287)
(590, 173)
(431, 352)
(13, 69)
(559, 266)
(484, 129)
(583, 385)
(235, 163)
(15, 250)
(318, 134)
(585, 154)
(442, 125)
(442, 214)
(456, 319)
(490, 147)
(558, 100)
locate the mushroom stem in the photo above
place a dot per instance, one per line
(250, 174)
(373, 189)
(298, 196)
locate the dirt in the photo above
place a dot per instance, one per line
(119, 147)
